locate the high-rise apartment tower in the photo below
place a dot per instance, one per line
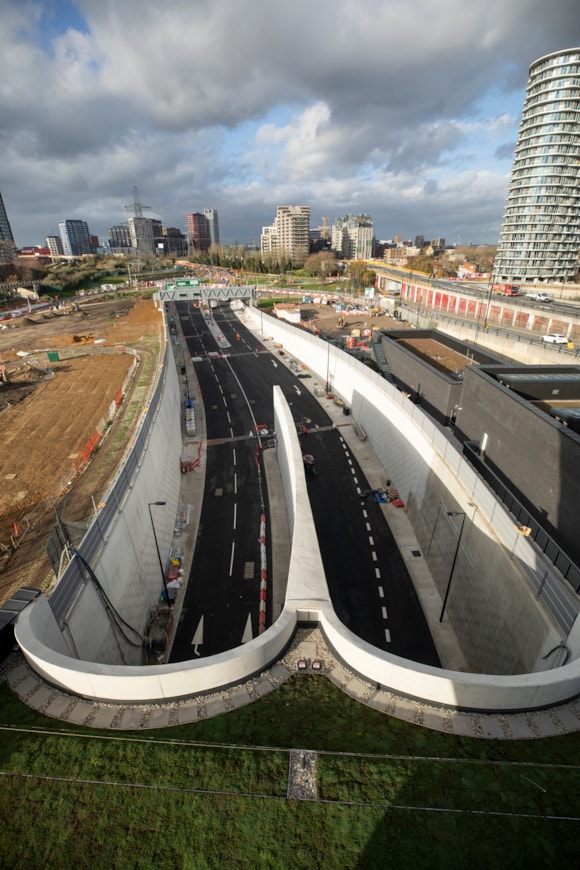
(75, 238)
(211, 217)
(540, 239)
(289, 234)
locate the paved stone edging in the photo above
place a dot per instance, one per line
(308, 653)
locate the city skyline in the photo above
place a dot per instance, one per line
(398, 112)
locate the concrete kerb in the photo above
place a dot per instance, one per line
(192, 481)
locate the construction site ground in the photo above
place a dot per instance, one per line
(326, 319)
(49, 409)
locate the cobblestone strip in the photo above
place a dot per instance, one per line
(302, 776)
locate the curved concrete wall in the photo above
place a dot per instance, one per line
(40, 637)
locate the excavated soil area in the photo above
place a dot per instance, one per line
(438, 355)
(50, 406)
(43, 434)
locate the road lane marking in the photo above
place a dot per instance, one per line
(381, 592)
(234, 455)
(387, 635)
(384, 612)
(374, 555)
(368, 526)
(248, 634)
(235, 514)
(197, 639)
(371, 541)
(232, 558)
(378, 573)
(235, 484)
(365, 515)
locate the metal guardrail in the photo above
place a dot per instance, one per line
(74, 578)
(501, 332)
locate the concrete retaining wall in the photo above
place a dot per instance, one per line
(307, 598)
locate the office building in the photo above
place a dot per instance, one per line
(120, 239)
(540, 239)
(174, 242)
(54, 245)
(211, 216)
(198, 231)
(7, 244)
(75, 238)
(5, 228)
(353, 237)
(142, 233)
(289, 234)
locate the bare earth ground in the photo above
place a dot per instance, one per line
(439, 355)
(46, 420)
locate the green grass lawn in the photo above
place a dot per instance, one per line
(214, 793)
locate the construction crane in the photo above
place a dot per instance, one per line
(324, 227)
(136, 206)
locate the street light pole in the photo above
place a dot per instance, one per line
(150, 505)
(453, 514)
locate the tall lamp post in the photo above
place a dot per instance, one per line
(461, 514)
(150, 505)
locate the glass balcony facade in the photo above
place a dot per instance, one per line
(540, 239)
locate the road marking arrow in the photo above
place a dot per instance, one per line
(248, 634)
(198, 638)
(297, 390)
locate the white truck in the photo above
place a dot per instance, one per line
(539, 297)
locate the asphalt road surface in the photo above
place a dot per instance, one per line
(370, 587)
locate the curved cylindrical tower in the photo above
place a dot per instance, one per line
(540, 239)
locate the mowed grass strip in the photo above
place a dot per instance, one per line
(145, 763)
(486, 787)
(416, 807)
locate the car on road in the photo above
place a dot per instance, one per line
(539, 297)
(555, 338)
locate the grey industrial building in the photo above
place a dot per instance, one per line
(519, 424)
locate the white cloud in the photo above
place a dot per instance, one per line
(339, 104)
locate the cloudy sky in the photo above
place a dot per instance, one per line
(407, 110)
